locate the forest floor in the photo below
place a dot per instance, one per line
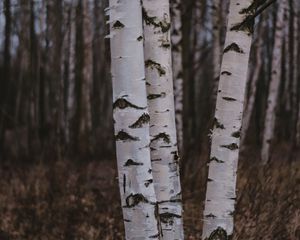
(68, 201)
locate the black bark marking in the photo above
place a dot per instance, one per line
(247, 25)
(252, 8)
(154, 96)
(217, 124)
(154, 236)
(140, 38)
(165, 137)
(252, 12)
(226, 73)
(210, 216)
(176, 157)
(124, 136)
(156, 160)
(230, 99)
(163, 25)
(216, 159)
(218, 234)
(123, 103)
(233, 47)
(148, 182)
(168, 217)
(154, 65)
(209, 180)
(124, 183)
(130, 162)
(232, 146)
(118, 25)
(135, 199)
(165, 45)
(126, 220)
(144, 119)
(231, 213)
(236, 134)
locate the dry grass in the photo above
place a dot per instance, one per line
(81, 202)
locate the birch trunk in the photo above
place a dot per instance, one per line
(164, 151)
(132, 120)
(269, 123)
(176, 38)
(221, 184)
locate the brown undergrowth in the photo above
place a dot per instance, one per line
(69, 201)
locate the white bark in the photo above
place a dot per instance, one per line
(221, 185)
(132, 120)
(269, 123)
(176, 38)
(164, 152)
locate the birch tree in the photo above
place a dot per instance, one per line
(176, 38)
(225, 137)
(269, 123)
(131, 120)
(164, 151)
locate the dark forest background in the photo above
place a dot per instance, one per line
(58, 176)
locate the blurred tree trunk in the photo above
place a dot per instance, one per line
(270, 118)
(176, 38)
(187, 10)
(131, 120)
(295, 72)
(32, 84)
(5, 79)
(164, 150)
(83, 75)
(250, 103)
(296, 62)
(221, 184)
(86, 123)
(56, 78)
(216, 45)
(70, 109)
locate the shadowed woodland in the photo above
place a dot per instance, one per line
(57, 151)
